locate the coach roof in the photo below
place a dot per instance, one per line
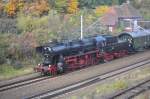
(136, 34)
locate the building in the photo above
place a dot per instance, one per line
(124, 14)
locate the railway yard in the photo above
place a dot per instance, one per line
(82, 83)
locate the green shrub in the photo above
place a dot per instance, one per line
(28, 23)
(8, 71)
(4, 44)
(18, 50)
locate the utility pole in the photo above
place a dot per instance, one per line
(128, 1)
(81, 27)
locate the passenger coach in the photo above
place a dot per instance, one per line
(138, 39)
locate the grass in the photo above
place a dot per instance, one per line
(117, 85)
(7, 72)
(102, 89)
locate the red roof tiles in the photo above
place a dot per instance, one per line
(125, 11)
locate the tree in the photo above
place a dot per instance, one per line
(11, 7)
(122, 1)
(37, 8)
(42, 7)
(61, 6)
(115, 2)
(20, 5)
(118, 2)
(93, 3)
(72, 6)
(1, 8)
(100, 10)
(87, 3)
(51, 3)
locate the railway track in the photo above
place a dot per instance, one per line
(12, 81)
(132, 91)
(87, 82)
(20, 83)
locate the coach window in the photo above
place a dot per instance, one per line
(139, 40)
(146, 38)
(124, 38)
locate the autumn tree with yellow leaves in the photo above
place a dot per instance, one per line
(100, 10)
(37, 7)
(72, 6)
(20, 4)
(13, 6)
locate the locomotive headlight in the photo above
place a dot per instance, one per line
(49, 66)
(129, 45)
(48, 49)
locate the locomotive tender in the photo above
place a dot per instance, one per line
(61, 57)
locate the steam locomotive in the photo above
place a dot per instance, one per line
(60, 57)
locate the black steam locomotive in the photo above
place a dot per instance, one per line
(60, 57)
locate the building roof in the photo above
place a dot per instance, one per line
(110, 18)
(124, 11)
